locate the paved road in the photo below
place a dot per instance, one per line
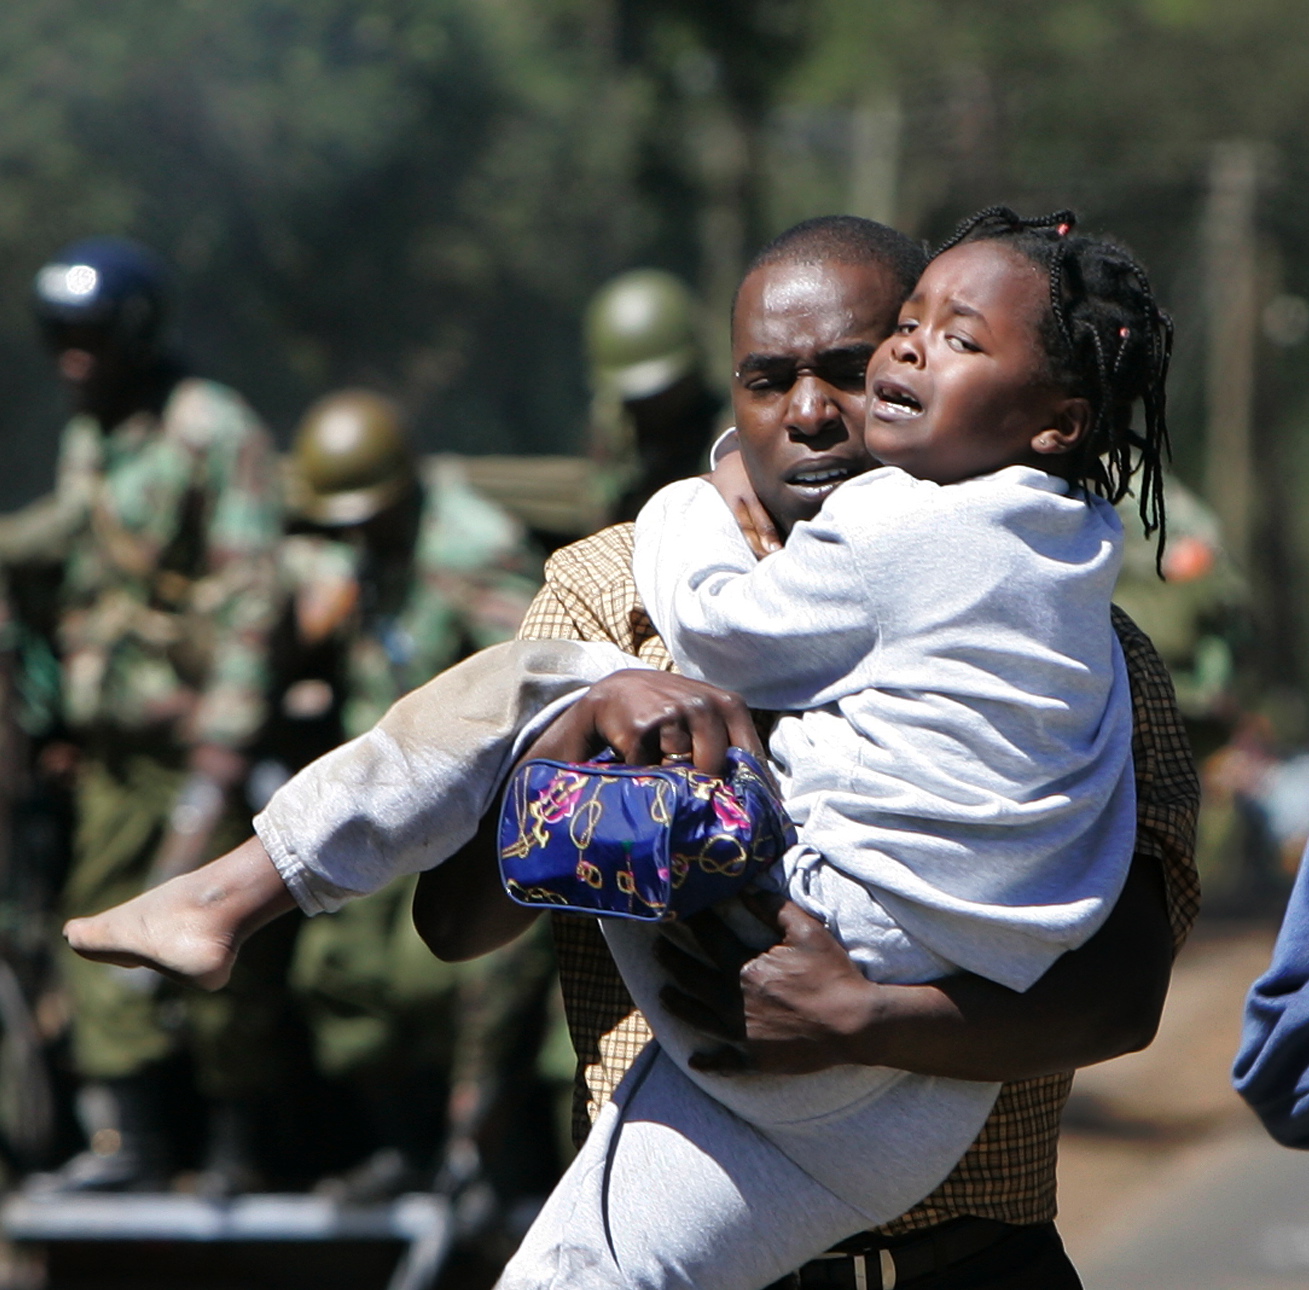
(1233, 1216)
(1166, 1180)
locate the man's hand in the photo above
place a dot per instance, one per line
(787, 1011)
(803, 1005)
(460, 908)
(733, 484)
(647, 717)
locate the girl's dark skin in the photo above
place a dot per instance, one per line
(961, 388)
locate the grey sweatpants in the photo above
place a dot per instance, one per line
(672, 1190)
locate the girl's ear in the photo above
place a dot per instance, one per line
(1070, 424)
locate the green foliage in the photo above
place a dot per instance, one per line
(417, 194)
(421, 194)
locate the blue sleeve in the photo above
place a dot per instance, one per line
(1272, 1066)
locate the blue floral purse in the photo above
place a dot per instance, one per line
(653, 843)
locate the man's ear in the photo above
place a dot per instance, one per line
(1069, 425)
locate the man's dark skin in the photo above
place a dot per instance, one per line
(800, 333)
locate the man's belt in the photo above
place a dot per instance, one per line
(867, 1263)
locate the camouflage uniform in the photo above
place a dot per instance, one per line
(165, 527)
(1193, 613)
(381, 1008)
(468, 585)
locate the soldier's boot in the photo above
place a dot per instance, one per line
(126, 1145)
(384, 1175)
(230, 1166)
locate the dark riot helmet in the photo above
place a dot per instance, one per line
(108, 283)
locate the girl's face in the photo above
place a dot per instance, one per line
(960, 388)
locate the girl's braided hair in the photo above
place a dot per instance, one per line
(1107, 340)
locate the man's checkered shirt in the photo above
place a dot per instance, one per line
(1009, 1172)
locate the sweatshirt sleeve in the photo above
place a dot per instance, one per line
(407, 794)
(785, 632)
(1272, 1067)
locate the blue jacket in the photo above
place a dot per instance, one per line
(1272, 1066)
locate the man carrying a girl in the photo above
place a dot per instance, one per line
(993, 1210)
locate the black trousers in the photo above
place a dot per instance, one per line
(1032, 1258)
(1029, 1258)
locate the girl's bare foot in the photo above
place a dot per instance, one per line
(191, 927)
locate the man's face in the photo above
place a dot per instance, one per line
(961, 389)
(802, 336)
(91, 364)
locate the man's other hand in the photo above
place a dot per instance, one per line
(649, 717)
(803, 1005)
(787, 1011)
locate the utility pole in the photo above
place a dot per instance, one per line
(722, 151)
(1232, 306)
(875, 128)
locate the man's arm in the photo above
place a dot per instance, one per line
(239, 590)
(240, 593)
(804, 1005)
(461, 909)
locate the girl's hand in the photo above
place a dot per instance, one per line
(734, 486)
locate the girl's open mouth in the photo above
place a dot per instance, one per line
(893, 402)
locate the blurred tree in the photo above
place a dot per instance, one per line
(417, 194)
(421, 194)
(414, 194)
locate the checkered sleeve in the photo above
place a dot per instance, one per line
(590, 595)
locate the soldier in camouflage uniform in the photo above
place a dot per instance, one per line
(164, 524)
(1193, 614)
(408, 570)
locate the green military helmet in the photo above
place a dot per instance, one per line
(350, 459)
(641, 334)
